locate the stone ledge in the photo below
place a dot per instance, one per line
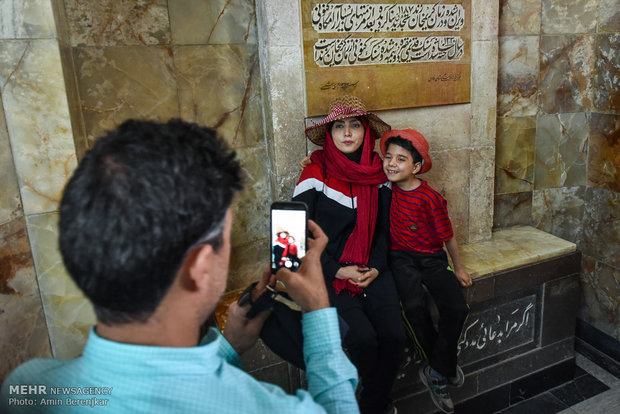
(512, 247)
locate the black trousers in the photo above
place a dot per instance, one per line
(411, 272)
(375, 341)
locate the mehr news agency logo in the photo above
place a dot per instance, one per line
(44, 395)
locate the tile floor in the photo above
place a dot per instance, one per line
(593, 390)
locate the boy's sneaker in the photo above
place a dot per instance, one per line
(458, 380)
(438, 389)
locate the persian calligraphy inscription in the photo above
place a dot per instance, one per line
(392, 54)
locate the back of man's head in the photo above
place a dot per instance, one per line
(140, 198)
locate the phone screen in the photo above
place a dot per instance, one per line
(288, 235)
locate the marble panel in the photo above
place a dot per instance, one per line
(512, 209)
(450, 177)
(601, 226)
(37, 118)
(604, 152)
(559, 211)
(519, 17)
(566, 72)
(481, 193)
(484, 92)
(199, 22)
(247, 263)
(609, 15)
(69, 314)
(559, 16)
(518, 76)
(116, 23)
(251, 205)
(281, 25)
(600, 304)
(119, 83)
(512, 247)
(444, 127)
(26, 19)
(10, 201)
(606, 79)
(561, 147)
(514, 155)
(485, 19)
(219, 86)
(24, 333)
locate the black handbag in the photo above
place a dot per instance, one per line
(282, 331)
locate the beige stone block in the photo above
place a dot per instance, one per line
(280, 22)
(284, 81)
(247, 263)
(219, 86)
(119, 83)
(24, 332)
(560, 16)
(514, 155)
(450, 177)
(518, 76)
(520, 17)
(481, 182)
(199, 22)
(37, 118)
(512, 247)
(112, 23)
(26, 19)
(10, 201)
(484, 92)
(444, 127)
(485, 19)
(69, 314)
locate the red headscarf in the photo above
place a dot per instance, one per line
(365, 178)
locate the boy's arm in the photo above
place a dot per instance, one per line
(459, 270)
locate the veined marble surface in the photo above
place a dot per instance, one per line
(604, 152)
(10, 200)
(512, 247)
(519, 17)
(23, 19)
(514, 155)
(37, 118)
(518, 76)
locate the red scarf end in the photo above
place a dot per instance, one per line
(344, 284)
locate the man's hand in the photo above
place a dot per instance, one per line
(240, 331)
(307, 286)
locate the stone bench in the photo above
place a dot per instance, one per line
(521, 326)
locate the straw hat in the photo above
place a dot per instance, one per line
(417, 140)
(346, 106)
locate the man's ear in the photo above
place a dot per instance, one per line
(197, 265)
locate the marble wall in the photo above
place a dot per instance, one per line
(558, 129)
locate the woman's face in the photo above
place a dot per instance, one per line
(348, 134)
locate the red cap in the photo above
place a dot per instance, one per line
(418, 141)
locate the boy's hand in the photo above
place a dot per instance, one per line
(464, 277)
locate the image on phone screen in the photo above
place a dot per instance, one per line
(288, 238)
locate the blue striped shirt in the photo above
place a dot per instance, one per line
(117, 378)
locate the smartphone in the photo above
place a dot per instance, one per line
(289, 229)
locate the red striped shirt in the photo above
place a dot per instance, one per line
(419, 220)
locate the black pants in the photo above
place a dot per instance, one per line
(411, 271)
(375, 341)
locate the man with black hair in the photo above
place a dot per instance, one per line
(144, 231)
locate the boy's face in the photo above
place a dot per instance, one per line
(398, 165)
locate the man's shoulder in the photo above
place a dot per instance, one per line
(37, 369)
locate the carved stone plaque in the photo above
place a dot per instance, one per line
(390, 53)
(498, 329)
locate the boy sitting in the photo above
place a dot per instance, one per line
(419, 228)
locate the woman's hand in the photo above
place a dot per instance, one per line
(368, 275)
(359, 276)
